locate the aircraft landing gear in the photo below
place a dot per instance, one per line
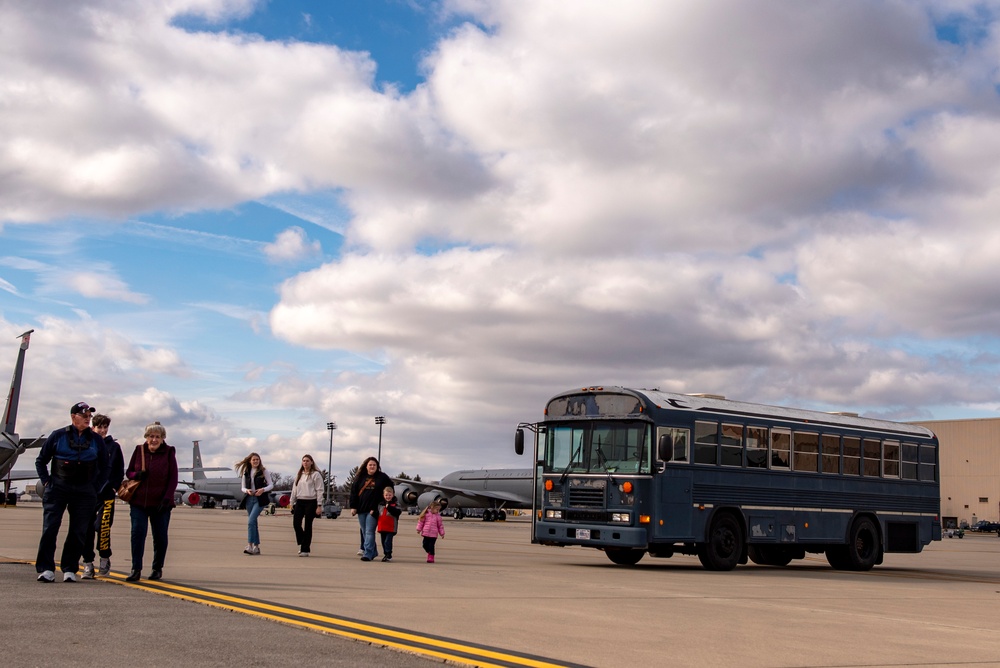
(494, 515)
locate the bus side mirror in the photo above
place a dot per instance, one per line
(665, 448)
(519, 442)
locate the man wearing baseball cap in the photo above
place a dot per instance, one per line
(79, 469)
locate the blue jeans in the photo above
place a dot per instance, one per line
(368, 524)
(143, 518)
(255, 504)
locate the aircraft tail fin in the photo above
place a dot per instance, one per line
(10, 411)
(197, 471)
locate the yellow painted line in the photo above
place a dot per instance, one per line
(431, 646)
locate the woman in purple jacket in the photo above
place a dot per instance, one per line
(153, 500)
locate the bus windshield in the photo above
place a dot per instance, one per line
(598, 447)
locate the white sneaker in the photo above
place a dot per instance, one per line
(105, 566)
(256, 549)
(303, 554)
(46, 576)
(69, 577)
(88, 571)
(361, 553)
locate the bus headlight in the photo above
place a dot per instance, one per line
(553, 514)
(621, 518)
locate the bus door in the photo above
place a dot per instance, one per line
(673, 483)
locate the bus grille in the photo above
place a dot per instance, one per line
(586, 497)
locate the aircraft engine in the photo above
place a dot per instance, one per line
(283, 500)
(191, 498)
(406, 494)
(427, 498)
(39, 489)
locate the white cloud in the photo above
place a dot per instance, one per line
(292, 245)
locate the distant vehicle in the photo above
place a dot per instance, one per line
(635, 472)
(955, 533)
(331, 511)
(985, 526)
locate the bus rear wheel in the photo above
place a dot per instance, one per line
(769, 555)
(863, 546)
(624, 556)
(724, 547)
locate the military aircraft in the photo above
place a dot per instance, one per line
(12, 446)
(206, 492)
(492, 489)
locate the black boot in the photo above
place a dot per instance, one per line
(156, 574)
(133, 576)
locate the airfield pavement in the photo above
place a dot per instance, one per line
(492, 588)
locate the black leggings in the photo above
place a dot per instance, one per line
(429, 544)
(304, 509)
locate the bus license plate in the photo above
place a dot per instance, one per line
(583, 534)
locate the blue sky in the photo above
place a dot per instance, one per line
(246, 219)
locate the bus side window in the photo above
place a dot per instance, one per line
(805, 451)
(781, 441)
(757, 447)
(732, 445)
(890, 459)
(706, 442)
(852, 455)
(872, 457)
(673, 444)
(927, 468)
(831, 453)
(909, 469)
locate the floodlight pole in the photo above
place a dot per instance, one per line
(329, 465)
(379, 420)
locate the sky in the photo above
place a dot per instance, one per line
(247, 219)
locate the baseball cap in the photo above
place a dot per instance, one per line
(81, 407)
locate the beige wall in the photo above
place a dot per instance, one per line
(970, 468)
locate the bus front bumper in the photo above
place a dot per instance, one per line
(590, 535)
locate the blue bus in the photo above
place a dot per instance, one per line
(632, 472)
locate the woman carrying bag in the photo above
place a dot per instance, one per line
(154, 465)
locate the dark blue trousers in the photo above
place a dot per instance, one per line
(159, 521)
(59, 497)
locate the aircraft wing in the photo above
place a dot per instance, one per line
(23, 474)
(421, 487)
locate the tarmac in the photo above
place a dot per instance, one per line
(492, 598)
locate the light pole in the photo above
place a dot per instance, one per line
(329, 466)
(379, 420)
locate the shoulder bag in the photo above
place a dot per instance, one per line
(128, 487)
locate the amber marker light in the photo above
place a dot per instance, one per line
(807, 525)
(627, 487)
(643, 519)
(548, 485)
(701, 507)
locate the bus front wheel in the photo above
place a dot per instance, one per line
(624, 556)
(724, 547)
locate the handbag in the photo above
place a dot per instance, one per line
(127, 489)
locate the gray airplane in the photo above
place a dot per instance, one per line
(12, 446)
(495, 490)
(206, 492)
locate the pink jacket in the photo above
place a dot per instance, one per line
(430, 525)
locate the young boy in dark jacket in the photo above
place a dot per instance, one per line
(388, 521)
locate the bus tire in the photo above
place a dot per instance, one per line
(724, 547)
(863, 546)
(624, 556)
(769, 555)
